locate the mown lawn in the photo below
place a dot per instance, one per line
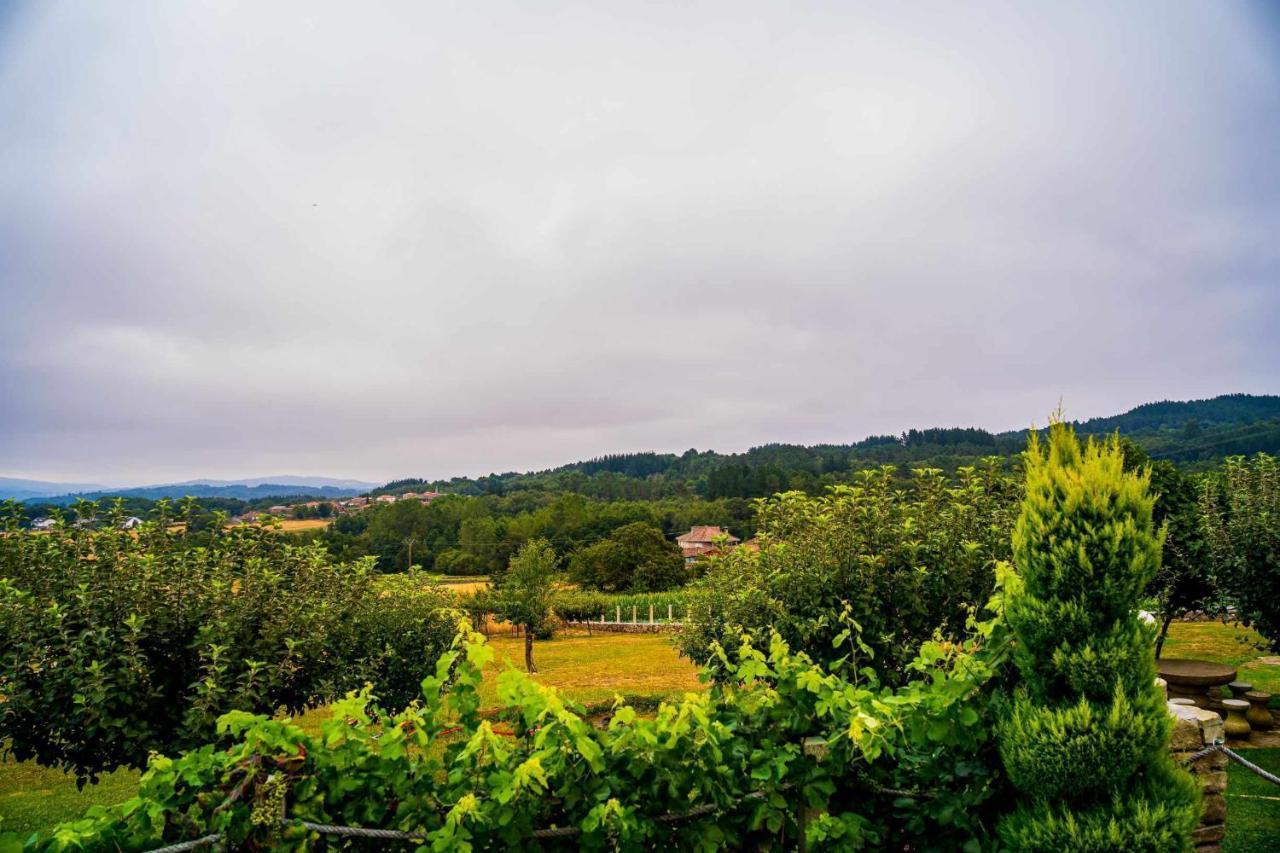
(1253, 806)
(1229, 644)
(589, 670)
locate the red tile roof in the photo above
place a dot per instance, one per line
(705, 534)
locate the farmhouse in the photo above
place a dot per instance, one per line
(42, 524)
(130, 523)
(385, 499)
(703, 540)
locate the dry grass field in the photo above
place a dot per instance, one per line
(293, 525)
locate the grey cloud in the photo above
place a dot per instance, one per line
(419, 239)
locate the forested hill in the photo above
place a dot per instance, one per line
(1188, 432)
(1227, 410)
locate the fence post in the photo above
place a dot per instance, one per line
(669, 610)
(633, 614)
(650, 614)
(815, 748)
(617, 615)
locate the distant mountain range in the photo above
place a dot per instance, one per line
(1190, 432)
(247, 489)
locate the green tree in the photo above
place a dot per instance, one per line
(1183, 581)
(634, 557)
(524, 595)
(1084, 735)
(1241, 509)
(480, 536)
(908, 560)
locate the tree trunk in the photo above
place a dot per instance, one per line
(528, 649)
(1164, 632)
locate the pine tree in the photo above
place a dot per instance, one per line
(1084, 736)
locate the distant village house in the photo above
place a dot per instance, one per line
(705, 540)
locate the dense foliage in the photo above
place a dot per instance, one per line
(461, 535)
(1242, 525)
(905, 560)
(114, 643)
(442, 772)
(1084, 737)
(635, 557)
(1184, 580)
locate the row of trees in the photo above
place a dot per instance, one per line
(463, 535)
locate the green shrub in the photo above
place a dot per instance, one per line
(577, 605)
(909, 560)
(1242, 526)
(1084, 735)
(114, 644)
(441, 771)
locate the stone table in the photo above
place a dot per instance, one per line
(1193, 679)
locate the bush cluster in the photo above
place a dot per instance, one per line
(114, 643)
(909, 560)
(577, 605)
(462, 782)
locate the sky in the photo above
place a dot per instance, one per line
(435, 239)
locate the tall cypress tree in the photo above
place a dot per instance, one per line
(1084, 736)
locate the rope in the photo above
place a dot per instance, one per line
(399, 835)
(1219, 746)
(1246, 763)
(361, 832)
(189, 845)
(1196, 756)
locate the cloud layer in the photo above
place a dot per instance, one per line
(427, 239)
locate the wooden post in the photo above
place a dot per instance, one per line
(815, 748)
(617, 616)
(669, 609)
(650, 614)
(633, 614)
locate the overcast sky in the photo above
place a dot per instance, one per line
(427, 239)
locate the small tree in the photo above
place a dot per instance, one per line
(1242, 526)
(1084, 736)
(524, 596)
